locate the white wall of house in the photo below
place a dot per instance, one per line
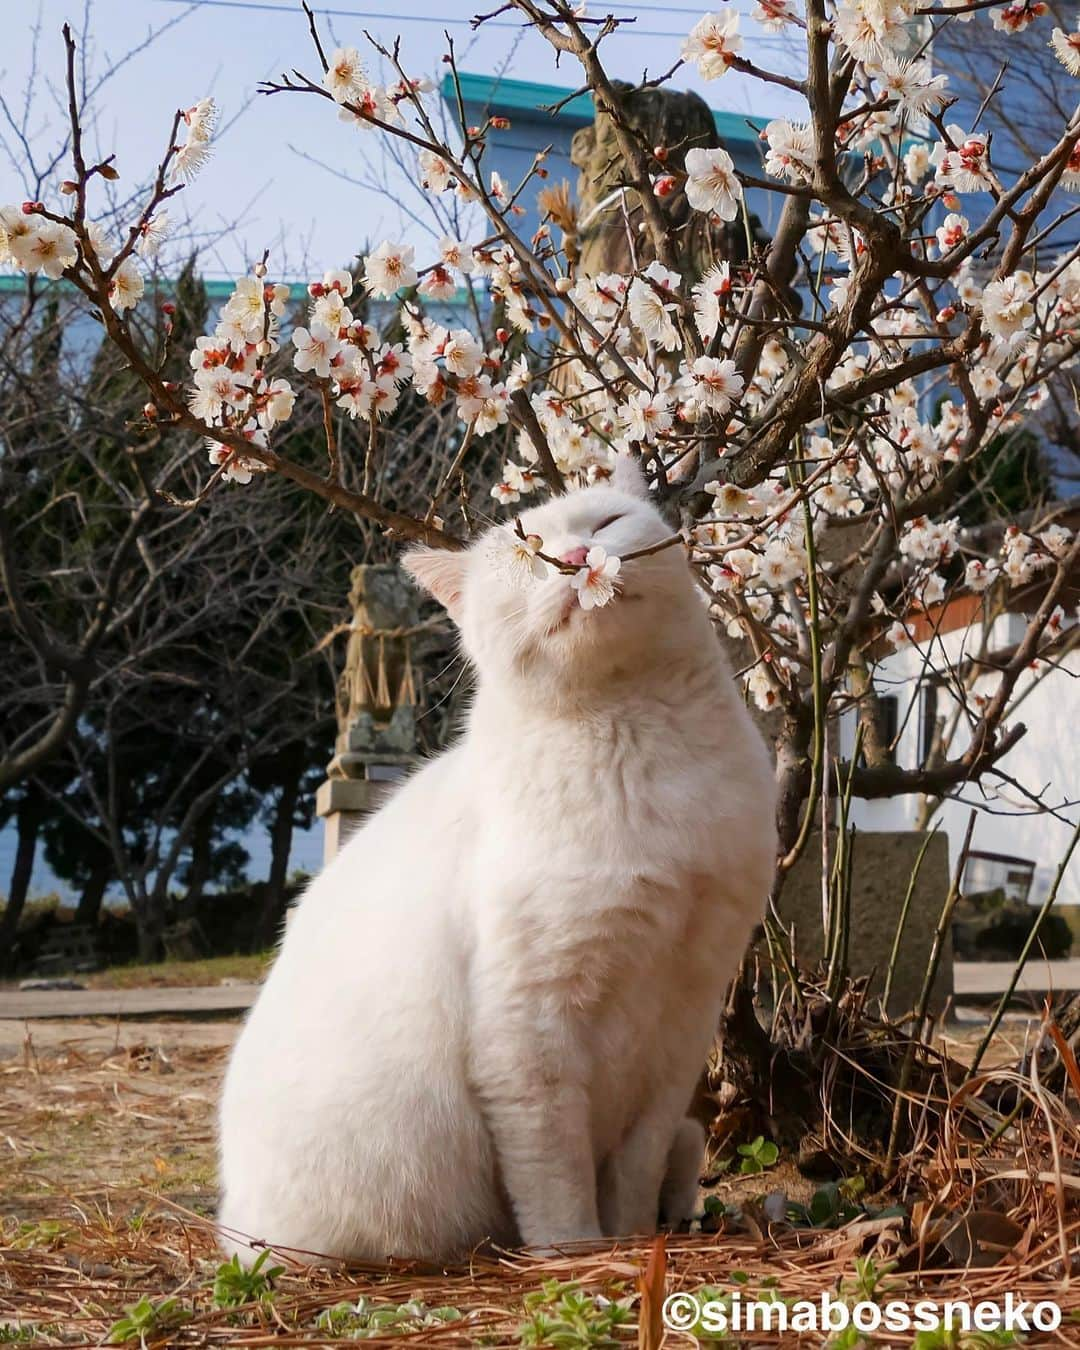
(1047, 757)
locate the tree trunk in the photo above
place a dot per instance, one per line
(27, 822)
(150, 925)
(281, 833)
(201, 861)
(93, 893)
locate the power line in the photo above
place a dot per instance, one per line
(325, 11)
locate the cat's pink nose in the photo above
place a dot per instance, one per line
(576, 557)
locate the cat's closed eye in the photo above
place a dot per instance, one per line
(610, 520)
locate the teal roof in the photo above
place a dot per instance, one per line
(215, 290)
(506, 97)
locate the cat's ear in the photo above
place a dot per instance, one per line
(441, 572)
(628, 476)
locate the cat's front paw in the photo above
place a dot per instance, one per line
(564, 1243)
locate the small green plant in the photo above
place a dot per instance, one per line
(561, 1316)
(868, 1284)
(10, 1334)
(45, 1233)
(943, 1339)
(235, 1285)
(145, 1319)
(756, 1156)
(366, 1319)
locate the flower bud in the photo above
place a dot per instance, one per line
(502, 336)
(67, 187)
(260, 270)
(665, 186)
(107, 171)
(263, 348)
(660, 153)
(500, 123)
(150, 411)
(563, 284)
(168, 308)
(32, 208)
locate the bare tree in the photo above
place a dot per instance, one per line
(815, 459)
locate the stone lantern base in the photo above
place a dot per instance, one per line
(343, 804)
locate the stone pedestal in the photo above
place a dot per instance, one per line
(343, 804)
(376, 703)
(881, 867)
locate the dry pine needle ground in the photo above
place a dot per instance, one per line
(107, 1190)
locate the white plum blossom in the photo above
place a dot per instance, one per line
(389, 269)
(898, 636)
(711, 184)
(315, 349)
(345, 77)
(436, 174)
(517, 557)
(775, 15)
(917, 162)
(650, 311)
(1016, 17)
(276, 403)
(713, 43)
(646, 415)
(716, 383)
(1056, 539)
(977, 576)
(963, 166)
(597, 581)
(127, 285)
(711, 297)
(914, 86)
(463, 353)
(152, 235)
(245, 311)
(190, 157)
(51, 249)
(791, 150)
(871, 29)
(455, 254)
(761, 687)
(1067, 48)
(953, 230)
(1007, 308)
(239, 468)
(201, 120)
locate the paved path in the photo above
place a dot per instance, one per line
(978, 978)
(158, 1001)
(1038, 977)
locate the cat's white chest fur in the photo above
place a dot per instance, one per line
(490, 1011)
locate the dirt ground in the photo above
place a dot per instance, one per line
(107, 1189)
(96, 1109)
(89, 1108)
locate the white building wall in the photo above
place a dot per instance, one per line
(1045, 758)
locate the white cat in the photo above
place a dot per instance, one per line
(490, 1010)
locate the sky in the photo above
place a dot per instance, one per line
(276, 177)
